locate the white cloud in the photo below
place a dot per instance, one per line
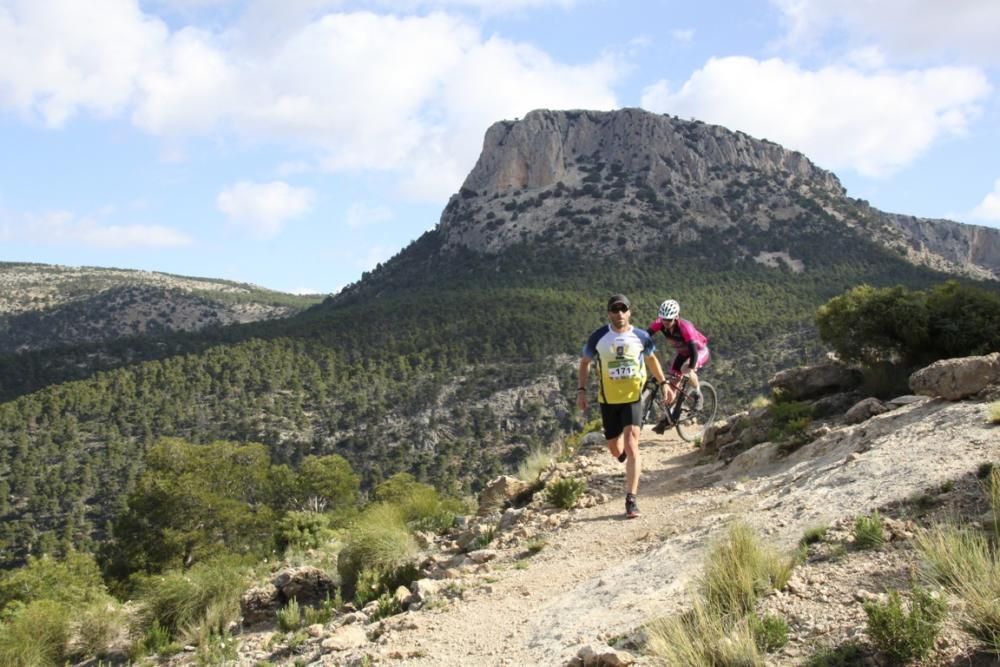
(989, 208)
(263, 208)
(66, 228)
(357, 90)
(909, 28)
(873, 122)
(360, 214)
(486, 6)
(59, 57)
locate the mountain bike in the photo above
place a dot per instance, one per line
(690, 423)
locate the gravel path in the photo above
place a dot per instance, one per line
(602, 576)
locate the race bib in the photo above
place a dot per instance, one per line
(622, 370)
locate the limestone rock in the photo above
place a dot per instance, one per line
(955, 379)
(865, 410)
(345, 637)
(808, 382)
(500, 492)
(307, 585)
(603, 656)
(260, 604)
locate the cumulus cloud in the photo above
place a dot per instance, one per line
(360, 214)
(909, 28)
(57, 59)
(989, 209)
(874, 122)
(349, 90)
(263, 208)
(67, 228)
(485, 6)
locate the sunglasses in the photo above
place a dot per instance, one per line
(618, 309)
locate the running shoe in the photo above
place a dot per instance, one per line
(631, 506)
(699, 400)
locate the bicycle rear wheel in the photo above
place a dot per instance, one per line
(692, 423)
(652, 404)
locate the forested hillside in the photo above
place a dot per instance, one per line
(44, 306)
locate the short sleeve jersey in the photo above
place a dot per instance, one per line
(620, 358)
(682, 334)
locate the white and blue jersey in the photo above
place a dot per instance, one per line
(620, 360)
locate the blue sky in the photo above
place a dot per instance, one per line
(296, 143)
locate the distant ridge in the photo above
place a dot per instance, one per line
(43, 305)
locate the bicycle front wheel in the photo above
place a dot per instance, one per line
(692, 423)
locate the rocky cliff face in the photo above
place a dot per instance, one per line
(942, 244)
(630, 177)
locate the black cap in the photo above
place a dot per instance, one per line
(618, 298)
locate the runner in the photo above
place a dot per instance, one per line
(621, 353)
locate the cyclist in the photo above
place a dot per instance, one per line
(692, 351)
(621, 354)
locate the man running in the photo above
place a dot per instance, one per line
(621, 353)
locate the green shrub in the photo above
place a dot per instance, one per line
(304, 530)
(789, 420)
(532, 467)
(95, 628)
(769, 631)
(904, 636)
(703, 637)
(323, 613)
(966, 564)
(813, 534)
(290, 616)
(895, 324)
(869, 531)
(420, 505)
(378, 542)
(374, 582)
(157, 639)
(388, 605)
(215, 648)
(535, 545)
(741, 568)
(37, 635)
(182, 601)
(564, 493)
(483, 539)
(74, 580)
(846, 655)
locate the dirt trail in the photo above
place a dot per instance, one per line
(601, 576)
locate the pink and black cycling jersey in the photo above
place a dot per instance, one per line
(687, 341)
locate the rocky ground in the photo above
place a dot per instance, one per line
(596, 579)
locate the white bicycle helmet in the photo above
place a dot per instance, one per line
(669, 310)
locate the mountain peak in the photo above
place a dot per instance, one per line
(603, 182)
